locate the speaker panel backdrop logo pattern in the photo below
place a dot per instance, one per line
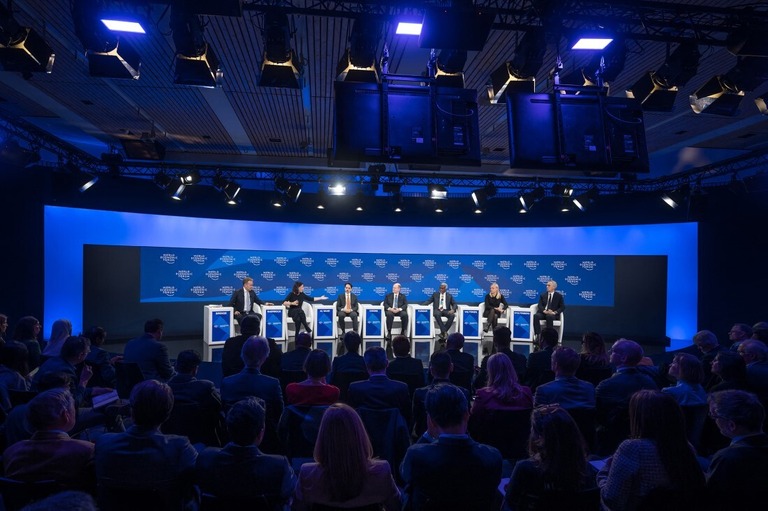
(211, 275)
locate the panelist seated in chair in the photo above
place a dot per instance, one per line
(443, 306)
(347, 306)
(396, 304)
(495, 305)
(242, 300)
(551, 305)
(294, 301)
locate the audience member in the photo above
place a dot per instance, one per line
(378, 391)
(656, 456)
(503, 391)
(271, 366)
(755, 355)
(231, 360)
(686, 370)
(61, 329)
(294, 359)
(101, 360)
(344, 473)
(347, 307)
(731, 370)
(143, 458)
(188, 389)
(351, 361)
(566, 390)
(404, 367)
(149, 353)
(594, 366)
(737, 474)
(14, 368)
(502, 339)
(709, 346)
(16, 426)
(26, 332)
(495, 305)
(539, 367)
(557, 463)
(739, 333)
(396, 304)
(760, 331)
(51, 454)
(3, 329)
(64, 501)
(240, 470)
(440, 369)
(454, 472)
(462, 362)
(314, 390)
(551, 305)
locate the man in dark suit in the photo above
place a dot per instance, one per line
(242, 300)
(231, 359)
(149, 353)
(378, 391)
(294, 360)
(240, 470)
(443, 306)
(566, 390)
(502, 339)
(189, 390)
(396, 304)
(737, 474)
(551, 304)
(440, 368)
(461, 361)
(709, 347)
(347, 306)
(539, 367)
(250, 381)
(455, 472)
(755, 355)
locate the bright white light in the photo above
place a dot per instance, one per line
(337, 189)
(124, 26)
(591, 43)
(404, 28)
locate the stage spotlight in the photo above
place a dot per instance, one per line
(84, 180)
(657, 90)
(585, 199)
(191, 177)
(519, 74)
(229, 188)
(322, 197)
(281, 67)
(22, 49)
(591, 41)
(174, 186)
(762, 103)
(397, 202)
(527, 200)
(481, 195)
(438, 205)
(565, 205)
(196, 62)
(674, 198)
(560, 190)
(438, 192)
(277, 199)
(337, 189)
(359, 200)
(358, 64)
(293, 192)
(449, 70)
(722, 94)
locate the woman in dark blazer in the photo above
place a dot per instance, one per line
(495, 304)
(294, 301)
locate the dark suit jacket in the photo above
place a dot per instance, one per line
(237, 301)
(402, 301)
(420, 411)
(238, 471)
(568, 391)
(539, 368)
(51, 455)
(294, 360)
(379, 392)
(152, 357)
(461, 361)
(103, 371)
(250, 382)
(615, 392)
(518, 362)
(738, 471)
(557, 305)
(450, 303)
(188, 389)
(231, 361)
(348, 363)
(341, 301)
(451, 474)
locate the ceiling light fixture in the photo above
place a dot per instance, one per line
(196, 62)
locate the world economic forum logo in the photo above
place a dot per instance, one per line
(531, 294)
(213, 274)
(573, 280)
(257, 289)
(504, 291)
(356, 262)
(454, 291)
(588, 265)
(281, 290)
(281, 261)
(199, 258)
(587, 295)
(454, 263)
(417, 277)
(198, 290)
(184, 274)
(429, 263)
(332, 290)
(227, 290)
(465, 278)
(544, 279)
(479, 264)
(331, 261)
(380, 262)
(478, 292)
(559, 265)
(393, 277)
(307, 261)
(227, 259)
(531, 264)
(343, 276)
(168, 257)
(517, 278)
(268, 275)
(255, 260)
(505, 264)
(368, 276)
(405, 290)
(168, 290)
(491, 277)
(380, 290)
(405, 263)
(294, 275)
(427, 290)
(319, 276)
(240, 274)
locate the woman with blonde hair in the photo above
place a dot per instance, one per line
(495, 304)
(61, 329)
(344, 473)
(503, 391)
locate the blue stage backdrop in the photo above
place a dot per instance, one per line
(206, 275)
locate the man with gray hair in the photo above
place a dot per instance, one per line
(709, 346)
(551, 304)
(379, 391)
(396, 304)
(755, 355)
(567, 390)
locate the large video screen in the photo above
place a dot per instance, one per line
(98, 266)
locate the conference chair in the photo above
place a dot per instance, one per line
(298, 430)
(503, 318)
(506, 430)
(558, 324)
(389, 436)
(348, 320)
(397, 324)
(128, 375)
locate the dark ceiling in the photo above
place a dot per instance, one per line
(243, 125)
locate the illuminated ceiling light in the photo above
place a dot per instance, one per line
(438, 192)
(196, 63)
(519, 74)
(229, 188)
(674, 198)
(360, 199)
(358, 64)
(762, 103)
(397, 202)
(481, 195)
(277, 200)
(591, 43)
(173, 186)
(449, 70)
(408, 28)
(527, 200)
(84, 180)
(439, 207)
(657, 90)
(322, 198)
(191, 177)
(22, 49)
(337, 189)
(281, 67)
(560, 190)
(585, 199)
(293, 192)
(133, 27)
(565, 205)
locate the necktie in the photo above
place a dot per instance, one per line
(348, 306)
(549, 300)
(395, 304)
(247, 301)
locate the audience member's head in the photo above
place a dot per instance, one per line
(736, 412)
(375, 359)
(15, 356)
(447, 407)
(304, 340)
(188, 362)
(593, 348)
(3, 324)
(64, 501)
(352, 341)
(250, 325)
(455, 341)
(739, 332)
(557, 447)
(760, 331)
(729, 366)
(548, 337)
(61, 329)
(255, 351)
(565, 361)
(753, 351)
(401, 346)
(75, 349)
(245, 421)
(705, 340)
(52, 410)
(96, 335)
(626, 353)
(26, 328)
(686, 367)
(344, 451)
(54, 380)
(317, 364)
(440, 365)
(154, 327)
(502, 378)
(151, 403)
(502, 338)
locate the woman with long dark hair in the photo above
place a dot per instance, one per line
(26, 332)
(344, 473)
(657, 456)
(294, 301)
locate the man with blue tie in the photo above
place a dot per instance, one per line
(396, 304)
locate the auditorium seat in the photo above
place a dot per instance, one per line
(290, 326)
(389, 436)
(17, 494)
(190, 420)
(397, 324)
(298, 430)
(128, 374)
(209, 502)
(506, 430)
(348, 320)
(343, 379)
(558, 324)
